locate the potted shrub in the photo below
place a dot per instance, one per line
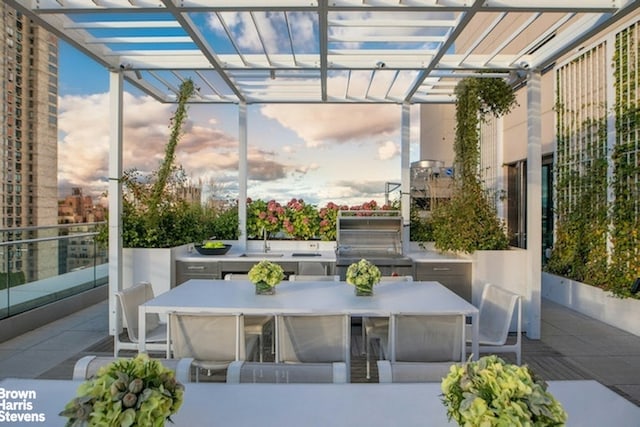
(363, 275)
(491, 392)
(127, 392)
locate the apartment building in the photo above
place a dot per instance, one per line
(28, 166)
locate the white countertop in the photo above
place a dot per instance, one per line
(588, 404)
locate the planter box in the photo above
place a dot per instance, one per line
(154, 265)
(593, 302)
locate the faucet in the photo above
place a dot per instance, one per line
(265, 247)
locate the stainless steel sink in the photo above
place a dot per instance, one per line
(262, 255)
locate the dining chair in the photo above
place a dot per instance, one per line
(310, 338)
(495, 317)
(373, 328)
(212, 340)
(313, 278)
(288, 373)
(259, 326)
(128, 301)
(87, 366)
(422, 347)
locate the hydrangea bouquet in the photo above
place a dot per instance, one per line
(363, 275)
(128, 392)
(266, 275)
(491, 392)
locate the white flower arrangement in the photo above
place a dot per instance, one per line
(126, 393)
(363, 275)
(491, 392)
(266, 275)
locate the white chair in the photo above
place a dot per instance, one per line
(373, 328)
(212, 340)
(253, 325)
(422, 348)
(87, 366)
(313, 339)
(496, 311)
(251, 372)
(129, 300)
(313, 278)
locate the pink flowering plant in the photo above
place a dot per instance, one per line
(301, 220)
(264, 216)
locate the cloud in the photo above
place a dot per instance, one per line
(347, 122)
(388, 150)
(204, 151)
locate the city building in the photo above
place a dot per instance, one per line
(28, 166)
(77, 208)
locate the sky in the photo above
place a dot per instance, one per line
(320, 153)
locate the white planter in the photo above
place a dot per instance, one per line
(154, 265)
(593, 302)
(506, 269)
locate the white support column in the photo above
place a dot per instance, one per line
(534, 206)
(242, 173)
(405, 200)
(115, 197)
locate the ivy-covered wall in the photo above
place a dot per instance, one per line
(596, 185)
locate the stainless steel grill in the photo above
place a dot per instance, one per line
(375, 236)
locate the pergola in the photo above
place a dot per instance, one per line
(401, 52)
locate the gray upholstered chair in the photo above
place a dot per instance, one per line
(496, 311)
(252, 372)
(129, 300)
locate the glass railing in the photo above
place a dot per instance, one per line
(40, 265)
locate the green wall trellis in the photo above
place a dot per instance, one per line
(596, 239)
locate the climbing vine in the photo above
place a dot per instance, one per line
(597, 239)
(469, 222)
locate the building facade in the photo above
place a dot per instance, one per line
(28, 168)
(590, 142)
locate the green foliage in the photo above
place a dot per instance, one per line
(155, 213)
(127, 392)
(453, 231)
(469, 222)
(491, 392)
(597, 239)
(12, 279)
(266, 273)
(421, 229)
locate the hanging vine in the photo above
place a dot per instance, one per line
(469, 222)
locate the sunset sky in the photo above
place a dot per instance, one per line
(320, 153)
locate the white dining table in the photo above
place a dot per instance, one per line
(588, 404)
(313, 297)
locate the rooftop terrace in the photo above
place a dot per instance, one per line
(572, 346)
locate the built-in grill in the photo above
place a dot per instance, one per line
(375, 236)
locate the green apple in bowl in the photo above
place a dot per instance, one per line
(213, 244)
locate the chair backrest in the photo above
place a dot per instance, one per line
(427, 338)
(496, 310)
(87, 366)
(130, 299)
(255, 372)
(313, 278)
(236, 276)
(396, 279)
(412, 372)
(207, 337)
(313, 338)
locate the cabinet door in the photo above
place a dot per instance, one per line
(456, 276)
(186, 270)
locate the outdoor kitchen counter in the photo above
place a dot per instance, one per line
(434, 256)
(238, 255)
